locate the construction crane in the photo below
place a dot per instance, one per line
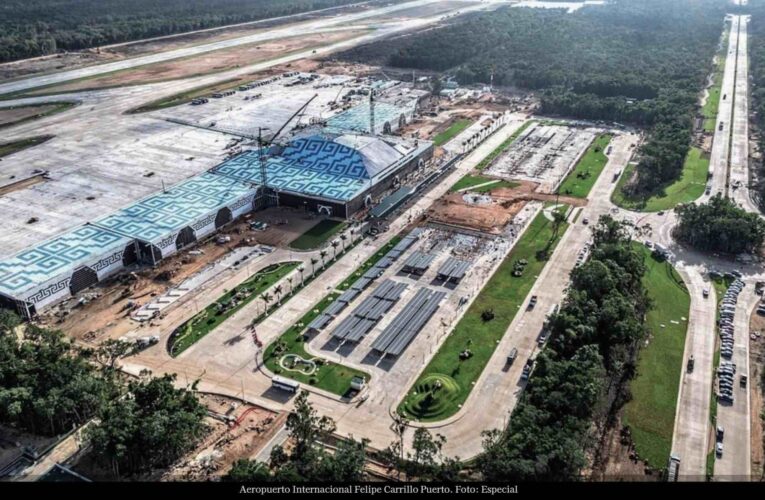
(268, 142)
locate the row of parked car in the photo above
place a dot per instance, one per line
(726, 375)
(727, 314)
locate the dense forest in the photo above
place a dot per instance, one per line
(581, 375)
(642, 63)
(756, 31)
(720, 226)
(33, 28)
(49, 387)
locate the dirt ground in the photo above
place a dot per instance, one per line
(756, 366)
(105, 312)
(491, 216)
(210, 62)
(9, 116)
(237, 431)
(227, 443)
(74, 60)
(620, 462)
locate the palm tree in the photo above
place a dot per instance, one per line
(301, 270)
(290, 278)
(314, 260)
(323, 255)
(278, 292)
(334, 244)
(266, 299)
(343, 237)
(353, 233)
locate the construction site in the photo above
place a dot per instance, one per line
(313, 225)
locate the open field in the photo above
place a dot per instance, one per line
(318, 235)
(484, 184)
(451, 132)
(686, 189)
(219, 311)
(581, 179)
(19, 114)
(13, 147)
(651, 412)
(503, 294)
(202, 64)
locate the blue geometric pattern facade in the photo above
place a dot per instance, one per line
(325, 156)
(302, 175)
(164, 213)
(40, 264)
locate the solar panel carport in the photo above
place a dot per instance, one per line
(404, 327)
(418, 263)
(453, 270)
(369, 312)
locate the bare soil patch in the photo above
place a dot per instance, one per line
(207, 63)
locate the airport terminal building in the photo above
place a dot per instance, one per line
(324, 170)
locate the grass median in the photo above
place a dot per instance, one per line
(451, 132)
(446, 382)
(687, 188)
(480, 184)
(580, 180)
(650, 414)
(227, 305)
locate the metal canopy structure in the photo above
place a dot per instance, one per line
(369, 312)
(418, 263)
(404, 327)
(453, 270)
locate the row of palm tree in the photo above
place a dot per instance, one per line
(278, 290)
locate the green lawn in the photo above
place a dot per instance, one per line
(689, 187)
(330, 376)
(318, 235)
(580, 180)
(471, 180)
(216, 313)
(502, 147)
(9, 148)
(651, 412)
(503, 294)
(453, 130)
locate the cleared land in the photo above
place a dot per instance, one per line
(232, 301)
(651, 412)
(447, 380)
(203, 64)
(328, 376)
(451, 132)
(687, 188)
(484, 184)
(318, 235)
(20, 114)
(13, 147)
(581, 179)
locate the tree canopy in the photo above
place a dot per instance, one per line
(33, 28)
(720, 226)
(593, 341)
(642, 63)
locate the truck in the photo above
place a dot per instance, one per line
(511, 357)
(691, 363)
